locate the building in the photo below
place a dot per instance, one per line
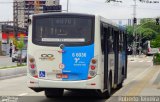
(23, 8)
(7, 32)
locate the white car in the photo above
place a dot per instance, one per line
(16, 56)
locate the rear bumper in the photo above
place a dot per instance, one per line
(94, 83)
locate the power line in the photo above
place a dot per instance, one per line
(122, 6)
(6, 2)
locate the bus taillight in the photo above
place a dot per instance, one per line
(32, 67)
(94, 61)
(93, 67)
(31, 60)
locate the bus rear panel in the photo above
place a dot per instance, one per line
(75, 51)
(61, 51)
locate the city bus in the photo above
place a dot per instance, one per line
(75, 51)
(148, 49)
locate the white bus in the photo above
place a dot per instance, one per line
(148, 49)
(75, 51)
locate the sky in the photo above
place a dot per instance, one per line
(108, 10)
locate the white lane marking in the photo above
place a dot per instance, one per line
(149, 61)
(23, 94)
(141, 61)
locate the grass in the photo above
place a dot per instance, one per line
(12, 67)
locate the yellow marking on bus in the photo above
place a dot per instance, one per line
(138, 88)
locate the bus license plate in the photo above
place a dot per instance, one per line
(62, 76)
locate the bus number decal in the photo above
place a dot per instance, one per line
(79, 55)
(78, 59)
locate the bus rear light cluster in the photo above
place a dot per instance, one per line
(92, 68)
(32, 67)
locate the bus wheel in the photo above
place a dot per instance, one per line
(120, 85)
(109, 87)
(107, 93)
(53, 93)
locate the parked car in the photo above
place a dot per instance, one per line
(16, 56)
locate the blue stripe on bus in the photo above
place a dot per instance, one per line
(76, 61)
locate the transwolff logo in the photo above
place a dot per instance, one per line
(48, 57)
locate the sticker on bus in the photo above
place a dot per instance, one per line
(63, 39)
(42, 74)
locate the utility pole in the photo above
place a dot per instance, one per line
(67, 5)
(15, 19)
(134, 27)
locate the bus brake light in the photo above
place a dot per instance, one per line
(93, 67)
(32, 66)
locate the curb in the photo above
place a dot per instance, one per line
(12, 72)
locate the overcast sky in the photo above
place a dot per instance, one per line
(109, 10)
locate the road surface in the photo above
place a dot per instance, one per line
(142, 80)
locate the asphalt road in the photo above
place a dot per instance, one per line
(134, 85)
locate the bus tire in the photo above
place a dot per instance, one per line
(109, 86)
(54, 93)
(120, 85)
(107, 93)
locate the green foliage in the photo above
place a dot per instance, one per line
(146, 30)
(156, 58)
(19, 43)
(130, 34)
(156, 42)
(151, 23)
(149, 33)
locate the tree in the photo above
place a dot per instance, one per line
(146, 30)
(19, 44)
(156, 42)
(130, 37)
(150, 23)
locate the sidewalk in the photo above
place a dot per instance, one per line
(147, 85)
(6, 61)
(12, 72)
(153, 86)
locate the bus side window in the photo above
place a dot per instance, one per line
(110, 41)
(120, 41)
(102, 38)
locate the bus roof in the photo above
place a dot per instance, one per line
(60, 13)
(108, 21)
